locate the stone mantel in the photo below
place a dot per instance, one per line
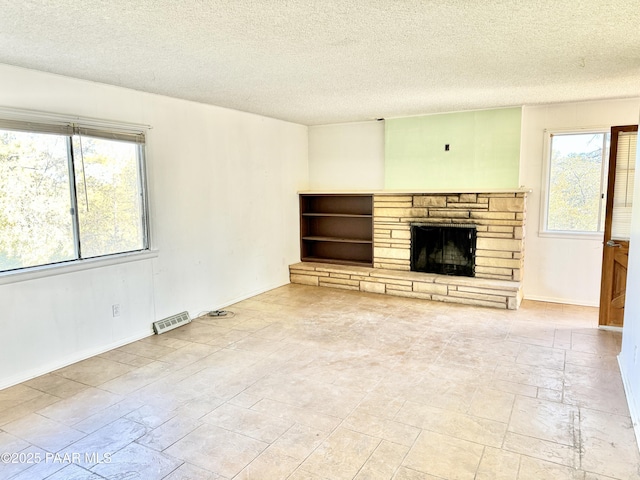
(449, 191)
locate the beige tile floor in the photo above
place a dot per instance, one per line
(313, 383)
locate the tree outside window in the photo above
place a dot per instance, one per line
(68, 197)
(575, 193)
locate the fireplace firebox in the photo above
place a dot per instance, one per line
(443, 249)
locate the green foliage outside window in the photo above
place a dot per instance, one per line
(575, 183)
(39, 222)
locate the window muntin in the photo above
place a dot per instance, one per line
(69, 197)
(576, 182)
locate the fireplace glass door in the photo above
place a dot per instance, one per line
(446, 250)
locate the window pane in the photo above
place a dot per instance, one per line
(109, 195)
(35, 221)
(575, 182)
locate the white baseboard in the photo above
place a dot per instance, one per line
(76, 357)
(610, 329)
(632, 401)
(249, 295)
(566, 301)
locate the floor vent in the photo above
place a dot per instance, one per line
(170, 323)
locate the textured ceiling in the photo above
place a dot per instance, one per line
(328, 61)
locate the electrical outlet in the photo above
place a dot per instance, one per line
(115, 310)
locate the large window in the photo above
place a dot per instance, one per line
(576, 183)
(69, 193)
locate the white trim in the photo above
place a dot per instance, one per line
(71, 359)
(32, 273)
(566, 301)
(584, 129)
(609, 328)
(599, 236)
(634, 409)
(226, 303)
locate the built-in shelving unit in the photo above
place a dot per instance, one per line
(336, 228)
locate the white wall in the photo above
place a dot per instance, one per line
(556, 269)
(628, 359)
(348, 156)
(224, 218)
(562, 269)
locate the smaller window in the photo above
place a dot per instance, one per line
(575, 183)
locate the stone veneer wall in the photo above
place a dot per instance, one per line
(499, 218)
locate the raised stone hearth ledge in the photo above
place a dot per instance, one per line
(417, 192)
(470, 291)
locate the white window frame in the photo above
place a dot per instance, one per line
(545, 182)
(53, 119)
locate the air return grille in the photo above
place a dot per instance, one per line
(170, 323)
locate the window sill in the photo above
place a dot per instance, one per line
(74, 266)
(573, 235)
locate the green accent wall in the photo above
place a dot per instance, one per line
(484, 150)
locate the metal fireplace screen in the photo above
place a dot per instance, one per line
(447, 250)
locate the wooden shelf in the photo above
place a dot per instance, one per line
(337, 262)
(347, 215)
(337, 229)
(338, 240)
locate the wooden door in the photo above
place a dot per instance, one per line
(615, 254)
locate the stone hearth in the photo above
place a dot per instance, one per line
(426, 286)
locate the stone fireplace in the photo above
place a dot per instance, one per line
(497, 220)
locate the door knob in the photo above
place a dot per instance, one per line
(611, 243)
